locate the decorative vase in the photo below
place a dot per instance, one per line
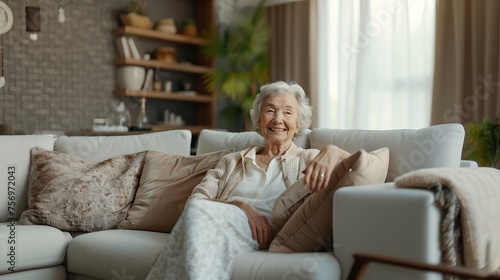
(130, 77)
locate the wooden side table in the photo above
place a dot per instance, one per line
(361, 262)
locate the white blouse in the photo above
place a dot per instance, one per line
(260, 188)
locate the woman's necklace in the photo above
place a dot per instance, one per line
(271, 157)
(268, 161)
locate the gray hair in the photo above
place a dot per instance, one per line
(304, 111)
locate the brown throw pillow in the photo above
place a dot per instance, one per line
(310, 227)
(71, 194)
(166, 183)
(291, 199)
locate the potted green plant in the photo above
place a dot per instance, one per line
(240, 51)
(189, 27)
(483, 142)
(135, 14)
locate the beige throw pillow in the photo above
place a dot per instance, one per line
(166, 183)
(310, 227)
(71, 194)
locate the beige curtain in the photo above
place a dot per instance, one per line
(467, 77)
(290, 44)
(313, 58)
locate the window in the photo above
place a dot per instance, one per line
(379, 59)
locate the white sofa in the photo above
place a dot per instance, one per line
(375, 219)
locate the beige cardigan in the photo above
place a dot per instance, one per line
(221, 181)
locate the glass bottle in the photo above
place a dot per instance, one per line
(122, 115)
(142, 118)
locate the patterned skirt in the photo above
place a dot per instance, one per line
(204, 242)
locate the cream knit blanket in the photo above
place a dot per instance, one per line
(470, 201)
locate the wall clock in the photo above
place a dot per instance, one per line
(6, 18)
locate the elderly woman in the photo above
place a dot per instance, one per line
(229, 212)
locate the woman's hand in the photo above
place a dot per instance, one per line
(318, 174)
(261, 229)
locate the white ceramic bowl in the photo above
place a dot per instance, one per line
(130, 77)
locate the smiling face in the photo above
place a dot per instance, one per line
(278, 118)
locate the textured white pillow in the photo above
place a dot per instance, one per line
(14, 170)
(216, 140)
(99, 148)
(434, 146)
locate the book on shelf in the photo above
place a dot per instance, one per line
(122, 46)
(133, 48)
(128, 47)
(148, 81)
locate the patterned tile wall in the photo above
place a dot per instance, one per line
(66, 78)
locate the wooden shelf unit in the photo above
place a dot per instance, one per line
(153, 63)
(165, 95)
(203, 114)
(159, 35)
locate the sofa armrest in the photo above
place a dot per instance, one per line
(382, 219)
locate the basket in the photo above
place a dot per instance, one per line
(136, 20)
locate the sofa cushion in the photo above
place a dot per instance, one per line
(74, 195)
(110, 254)
(33, 246)
(216, 140)
(166, 183)
(46, 273)
(99, 148)
(434, 146)
(14, 166)
(264, 265)
(309, 229)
